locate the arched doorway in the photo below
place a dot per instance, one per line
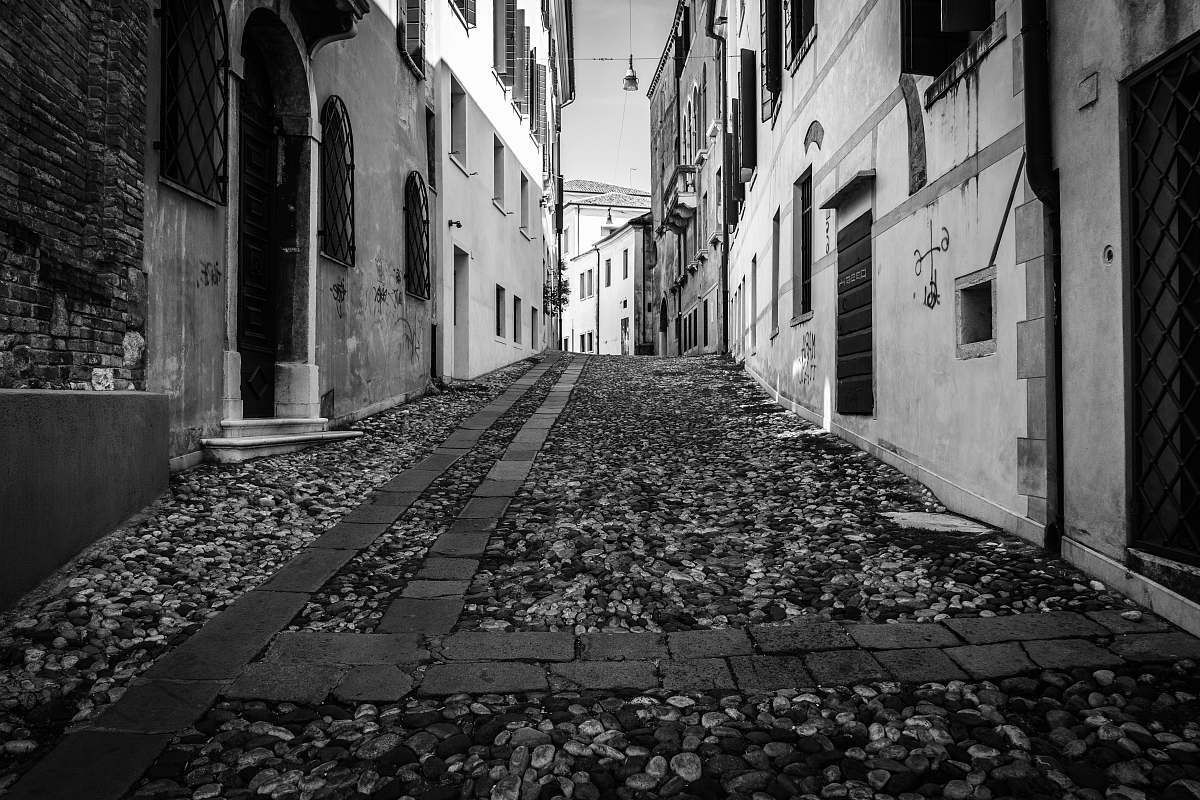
(258, 268)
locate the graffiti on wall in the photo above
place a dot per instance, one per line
(338, 290)
(412, 341)
(932, 296)
(210, 274)
(804, 369)
(398, 290)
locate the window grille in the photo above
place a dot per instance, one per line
(337, 183)
(195, 97)
(416, 236)
(801, 19)
(1164, 194)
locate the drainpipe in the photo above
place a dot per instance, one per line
(599, 283)
(711, 30)
(1043, 179)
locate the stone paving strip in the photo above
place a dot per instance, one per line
(182, 684)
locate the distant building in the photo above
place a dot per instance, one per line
(688, 177)
(607, 312)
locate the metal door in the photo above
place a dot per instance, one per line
(1164, 193)
(855, 341)
(256, 269)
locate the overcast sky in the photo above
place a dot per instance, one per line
(596, 145)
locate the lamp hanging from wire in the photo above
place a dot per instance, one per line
(630, 83)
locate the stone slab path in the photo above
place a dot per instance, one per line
(428, 703)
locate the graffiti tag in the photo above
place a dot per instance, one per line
(210, 274)
(338, 290)
(805, 370)
(932, 295)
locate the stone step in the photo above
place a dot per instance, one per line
(234, 450)
(272, 426)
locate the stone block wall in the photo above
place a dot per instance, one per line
(72, 141)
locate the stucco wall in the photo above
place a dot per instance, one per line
(954, 422)
(1111, 40)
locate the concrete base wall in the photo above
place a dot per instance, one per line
(73, 465)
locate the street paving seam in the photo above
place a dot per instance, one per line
(129, 735)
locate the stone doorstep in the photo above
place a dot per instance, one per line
(308, 571)
(517, 646)
(115, 763)
(353, 649)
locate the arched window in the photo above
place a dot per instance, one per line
(337, 183)
(416, 236)
(195, 97)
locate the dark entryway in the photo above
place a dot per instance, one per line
(257, 268)
(1164, 149)
(855, 343)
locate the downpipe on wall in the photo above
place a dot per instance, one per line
(1043, 179)
(710, 30)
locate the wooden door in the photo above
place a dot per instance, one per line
(855, 339)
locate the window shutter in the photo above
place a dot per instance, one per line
(521, 75)
(414, 30)
(772, 54)
(512, 22)
(535, 95)
(541, 104)
(924, 48)
(471, 13)
(791, 22)
(747, 102)
(733, 187)
(500, 36)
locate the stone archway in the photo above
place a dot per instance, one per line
(275, 241)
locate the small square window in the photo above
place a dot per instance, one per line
(975, 312)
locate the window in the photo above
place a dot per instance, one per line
(195, 97)
(802, 229)
(625, 264)
(410, 34)
(754, 302)
(775, 274)
(501, 327)
(583, 343)
(467, 9)
(607, 272)
(720, 195)
(927, 47)
(798, 32)
(533, 328)
(416, 236)
(591, 290)
(582, 285)
(458, 122)
(772, 54)
(976, 313)
(705, 327)
(337, 183)
(747, 124)
(516, 319)
(498, 172)
(431, 147)
(524, 202)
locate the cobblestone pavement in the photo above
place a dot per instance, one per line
(636, 578)
(71, 648)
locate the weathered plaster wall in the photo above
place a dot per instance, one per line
(950, 421)
(1106, 42)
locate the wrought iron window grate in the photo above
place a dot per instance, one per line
(337, 182)
(1164, 147)
(195, 97)
(416, 236)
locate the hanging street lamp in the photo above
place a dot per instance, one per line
(630, 83)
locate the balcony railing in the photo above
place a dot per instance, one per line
(679, 199)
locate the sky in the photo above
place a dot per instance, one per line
(606, 131)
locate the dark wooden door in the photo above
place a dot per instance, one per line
(855, 339)
(257, 267)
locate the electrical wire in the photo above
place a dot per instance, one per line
(620, 136)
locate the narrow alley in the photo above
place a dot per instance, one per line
(585, 577)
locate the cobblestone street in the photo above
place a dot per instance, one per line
(613, 577)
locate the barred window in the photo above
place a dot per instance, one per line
(416, 236)
(195, 96)
(337, 183)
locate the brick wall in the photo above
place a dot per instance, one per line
(72, 134)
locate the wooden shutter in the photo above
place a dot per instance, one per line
(500, 36)
(471, 13)
(414, 31)
(512, 36)
(772, 54)
(855, 337)
(747, 102)
(535, 94)
(541, 105)
(924, 48)
(521, 76)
